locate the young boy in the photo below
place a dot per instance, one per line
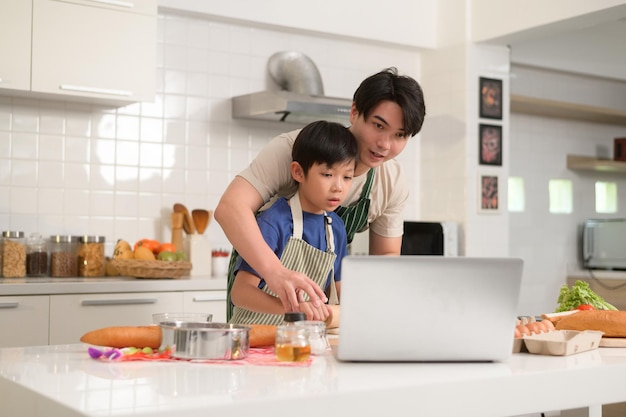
(304, 232)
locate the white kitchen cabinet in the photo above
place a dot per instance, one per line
(15, 40)
(24, 320)
(100, 51)
(213, 302)
(73, 315)
(95, 48)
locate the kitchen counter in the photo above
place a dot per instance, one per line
(45, 285)
(62, 380)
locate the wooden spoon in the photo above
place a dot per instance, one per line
(201, 219)
(188, 225)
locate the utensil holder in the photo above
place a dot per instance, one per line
(199, 252)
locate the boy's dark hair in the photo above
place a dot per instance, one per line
(323, 142)
(401, 89)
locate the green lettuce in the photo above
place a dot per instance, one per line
(578, 294)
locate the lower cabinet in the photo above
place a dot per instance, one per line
(31, 320)
(73, 315)
(213, 302)
(24, 320)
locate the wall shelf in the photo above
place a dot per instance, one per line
(587, 163)
(564, 110)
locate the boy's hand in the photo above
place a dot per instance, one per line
(320, 313)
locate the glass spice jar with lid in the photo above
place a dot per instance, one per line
(63, 256)
(36, 256)
(292, 339)
(91, 260)
(12, 254)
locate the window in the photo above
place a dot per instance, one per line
(561, 196)
(606, 197)
(516, 196)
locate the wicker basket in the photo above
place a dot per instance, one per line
(140, 268)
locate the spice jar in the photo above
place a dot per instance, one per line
(91, 260)
(317, 336)
(36, 256)
(63, 256)
(292, 339)
(12, 255)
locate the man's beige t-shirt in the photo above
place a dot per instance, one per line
(269, 174)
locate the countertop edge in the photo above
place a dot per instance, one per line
(50, 286)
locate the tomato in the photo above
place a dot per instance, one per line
(151, 244)
(167, 247)
(585, 307)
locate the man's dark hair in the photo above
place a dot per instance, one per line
(401, 89)
(324, 142)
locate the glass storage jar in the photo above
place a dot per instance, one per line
(63, 256)
(317, 336)
(91, 260)
(36, 256)
(12, 255)
(292, 339)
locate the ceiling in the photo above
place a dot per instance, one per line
(592, 45)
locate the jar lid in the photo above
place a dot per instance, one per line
(12, 234)
(293, 316)
(63, 239)
(35, 239)
(91, 239)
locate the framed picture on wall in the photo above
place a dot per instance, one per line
(490, 145)
(490, 98)
(489, 201)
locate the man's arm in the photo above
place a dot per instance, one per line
(235, 214)
(380, 245)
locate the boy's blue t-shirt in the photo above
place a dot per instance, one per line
(276, 224)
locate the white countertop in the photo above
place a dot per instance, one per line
(64, 381)
(46, 285)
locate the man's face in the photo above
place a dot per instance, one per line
(381, 137)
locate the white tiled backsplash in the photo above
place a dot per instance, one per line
(68, 168)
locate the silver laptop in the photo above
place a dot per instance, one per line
(428, 308)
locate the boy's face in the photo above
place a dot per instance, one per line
(324, 187)
(380, 137)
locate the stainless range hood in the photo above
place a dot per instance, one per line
(290, 107)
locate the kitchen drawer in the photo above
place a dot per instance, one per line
(213, 302)
(73, 315)
(24, 320)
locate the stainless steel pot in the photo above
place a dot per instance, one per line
(209, 340)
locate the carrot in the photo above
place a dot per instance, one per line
(262, 335)
(124, 336)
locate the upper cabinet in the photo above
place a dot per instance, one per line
(15, 41)
(100, 51)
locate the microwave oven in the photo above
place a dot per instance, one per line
(430, 238)
(604, 244)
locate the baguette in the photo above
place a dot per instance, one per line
(262, 335)
(611, 322)
(125, 336)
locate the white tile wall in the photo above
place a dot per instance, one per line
(68, 168)
(549, 243)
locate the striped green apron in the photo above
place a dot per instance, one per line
(299, 256)
(353, 216)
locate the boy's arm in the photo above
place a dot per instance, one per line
(246, 294)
